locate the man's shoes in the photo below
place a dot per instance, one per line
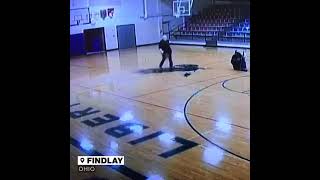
(160, 70)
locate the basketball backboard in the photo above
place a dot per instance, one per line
(79, 16)
(182, 8)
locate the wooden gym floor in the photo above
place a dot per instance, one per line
(166, 125)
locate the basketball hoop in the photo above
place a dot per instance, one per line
(93, 21)
(177, 14)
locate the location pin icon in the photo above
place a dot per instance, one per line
(82, 160)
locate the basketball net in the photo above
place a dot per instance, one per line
(178, 9)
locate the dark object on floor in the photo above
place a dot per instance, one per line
(187, 74)
(180, 67)
(238, 62)
(187, 67)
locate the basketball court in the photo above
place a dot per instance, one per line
(166, 125)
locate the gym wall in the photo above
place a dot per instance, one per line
(125, 12)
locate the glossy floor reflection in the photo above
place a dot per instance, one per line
(118, 111)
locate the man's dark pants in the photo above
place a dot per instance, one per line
(164, 56)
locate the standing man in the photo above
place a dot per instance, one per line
(166, 52)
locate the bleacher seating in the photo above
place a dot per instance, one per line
(228, 22)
